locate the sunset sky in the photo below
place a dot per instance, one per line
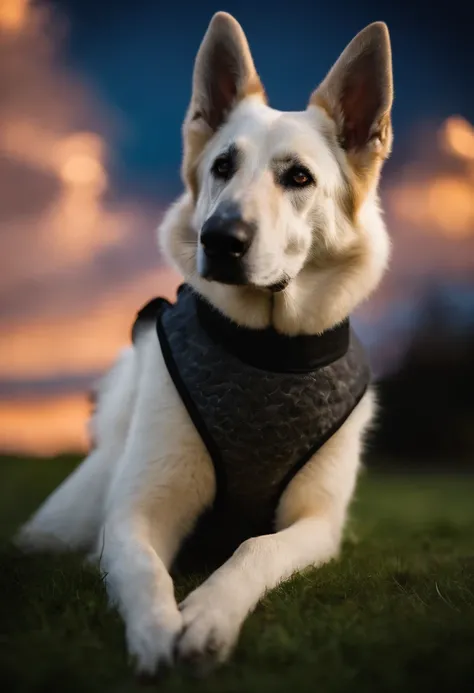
(93, 96)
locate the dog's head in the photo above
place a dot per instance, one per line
(283, 201)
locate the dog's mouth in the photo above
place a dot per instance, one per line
(233, 272)
(238, 279)
(229, 272)
(280, 285)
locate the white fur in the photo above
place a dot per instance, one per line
(139, 493)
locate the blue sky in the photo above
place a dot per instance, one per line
(138, 56)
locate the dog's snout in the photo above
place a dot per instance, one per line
(225, 240)
(226, 236)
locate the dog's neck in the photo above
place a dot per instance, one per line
(312, 303)
(269, 349)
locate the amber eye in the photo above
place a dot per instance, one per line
(297, 177)
(300, 178)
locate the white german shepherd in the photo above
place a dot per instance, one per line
(314, 246)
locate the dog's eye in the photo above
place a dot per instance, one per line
(297, 177)
(223, 167)
(300, 177)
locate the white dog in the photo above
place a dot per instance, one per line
(279, 229)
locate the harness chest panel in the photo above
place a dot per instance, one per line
(260, 427)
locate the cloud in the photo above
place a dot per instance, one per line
(79, 264)
(56, 222)
(429, 209)
(85, 340)
(45, 426)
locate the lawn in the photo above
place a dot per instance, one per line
(395, 613)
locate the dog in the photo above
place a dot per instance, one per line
(279, 237)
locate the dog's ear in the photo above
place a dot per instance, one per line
(224, 74)
(357, 94)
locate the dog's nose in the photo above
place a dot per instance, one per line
(226, 236)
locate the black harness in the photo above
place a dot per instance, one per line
(262, 402)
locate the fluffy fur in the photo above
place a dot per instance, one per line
(140, 491)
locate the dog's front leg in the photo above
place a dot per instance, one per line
(154, 505)
(213, 614)
(139, 584)
(311, 516)
(162, 483)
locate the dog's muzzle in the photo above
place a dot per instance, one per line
(225, 239)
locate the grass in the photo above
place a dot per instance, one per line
(395, 613)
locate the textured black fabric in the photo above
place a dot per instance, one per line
(260, 427)
(270, 350)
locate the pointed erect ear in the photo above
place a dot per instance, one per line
(358, 93)
(224, 74)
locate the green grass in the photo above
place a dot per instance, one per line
(395, 613)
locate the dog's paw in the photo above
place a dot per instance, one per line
(210, 630)
(151, 641)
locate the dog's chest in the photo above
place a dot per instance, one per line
(260, 427)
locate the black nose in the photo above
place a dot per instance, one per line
(226, 235)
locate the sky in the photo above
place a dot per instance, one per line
(92, 99)
(134, 53)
